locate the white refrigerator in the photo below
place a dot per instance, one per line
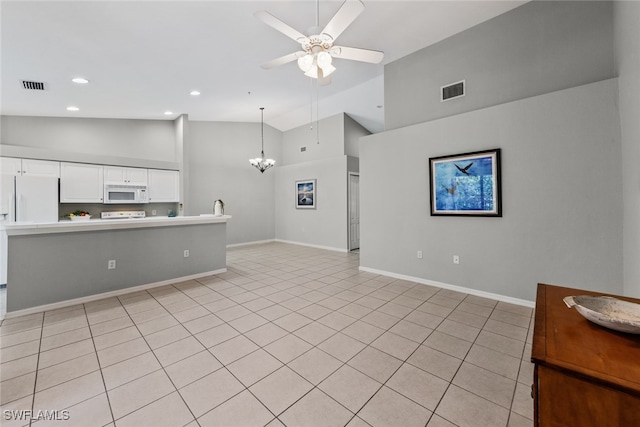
(25, 199)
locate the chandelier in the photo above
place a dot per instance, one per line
(261, 163)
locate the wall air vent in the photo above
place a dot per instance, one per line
(451, 91)
(26, 84)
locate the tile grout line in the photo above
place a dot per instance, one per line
(35, 381)
(95, 349)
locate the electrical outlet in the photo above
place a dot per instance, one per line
(111, 265)
(419, 255)
(456, 259)
(153, 212)
(186, 253)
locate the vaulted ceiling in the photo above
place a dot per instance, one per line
(143, 58)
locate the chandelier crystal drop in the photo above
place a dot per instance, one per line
(261, 163)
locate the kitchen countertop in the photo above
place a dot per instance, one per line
(68, 226)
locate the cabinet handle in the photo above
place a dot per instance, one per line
(532, 391)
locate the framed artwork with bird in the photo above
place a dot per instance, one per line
(466, 184)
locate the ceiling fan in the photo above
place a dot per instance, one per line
(315, 58)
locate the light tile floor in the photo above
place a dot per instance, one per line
(289, 335)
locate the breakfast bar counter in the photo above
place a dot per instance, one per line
(52, 265)
(66, 226)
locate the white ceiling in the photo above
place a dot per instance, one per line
(144, 57)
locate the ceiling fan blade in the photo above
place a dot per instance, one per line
(283, 60)
(277, 24)
(347, 13)
(357, 54)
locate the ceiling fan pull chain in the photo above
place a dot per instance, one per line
(317, 113)
(310, 104)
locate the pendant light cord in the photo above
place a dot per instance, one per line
(262, 128)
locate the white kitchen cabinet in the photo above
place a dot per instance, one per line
(17, 167)
(10, 166)
(81, 183)
(48, 168)
(164, 186)
(122, 175)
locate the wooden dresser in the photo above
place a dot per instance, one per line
(584, 375)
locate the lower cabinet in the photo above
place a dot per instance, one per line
(584, 375)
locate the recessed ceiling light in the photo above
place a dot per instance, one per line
(80, 80)
(168, 113)
(194, 93)
(72, 108)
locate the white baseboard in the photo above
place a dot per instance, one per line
(329, 248)
(497, 297)
(90, 298)
(255, 242)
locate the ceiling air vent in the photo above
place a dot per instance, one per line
(26, 84)
(453, 90)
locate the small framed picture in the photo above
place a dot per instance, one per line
(466, 184)
(306, 194)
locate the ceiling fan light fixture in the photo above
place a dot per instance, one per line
(305, 62)
(312, 72)
(324, 59)
(261, 163)
(324, 62)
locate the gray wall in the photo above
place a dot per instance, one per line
(218, 158)
(326, 225)
(540, 47)
(92, 140)
(353, 131)
(328, 163)
(50, 268)
(562, 220)
(627, 34)
(331, 141)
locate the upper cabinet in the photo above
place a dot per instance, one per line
(31, 167)
(40, 168)
(81, 183)
(10, 166)
(164, 186)
(84, 183)
(122, 175)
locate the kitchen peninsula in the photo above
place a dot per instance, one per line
(52, 265)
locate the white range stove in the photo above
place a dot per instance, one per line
(122, 214)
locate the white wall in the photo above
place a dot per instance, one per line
(562, 207)
(627, 38)
(540, 47)
(218, 158)
(326, 225)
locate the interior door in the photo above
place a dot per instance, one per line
(354, 211)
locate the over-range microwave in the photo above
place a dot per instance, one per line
(124, 193)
